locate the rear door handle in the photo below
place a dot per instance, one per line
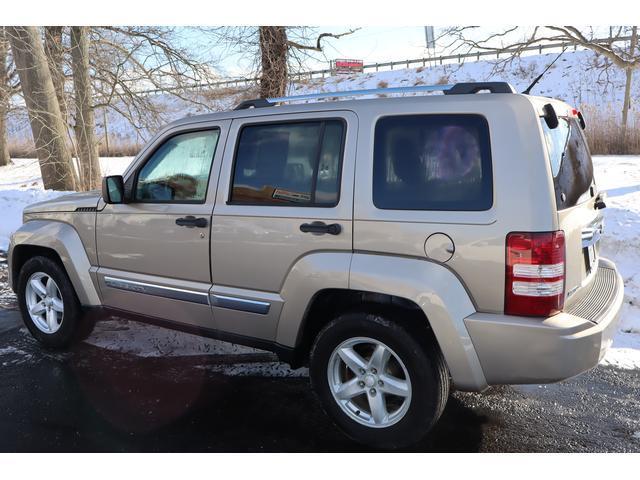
(190, 222)
(320, 228)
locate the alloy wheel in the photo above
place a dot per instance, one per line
(44, 303)
(370, 382)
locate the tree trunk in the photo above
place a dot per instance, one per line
(274, 53)
(5, 96)
(54, 51)
(47, 127)
(88, 163)
(627, 87)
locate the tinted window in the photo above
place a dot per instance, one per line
(570, 159)
(289, 164)
(432, 162)
(179, 170)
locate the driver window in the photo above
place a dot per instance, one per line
(179, 170)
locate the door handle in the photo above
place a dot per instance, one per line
(190, 221)
(320, 228)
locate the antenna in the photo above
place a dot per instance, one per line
(533, 84)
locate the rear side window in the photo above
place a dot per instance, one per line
(289, 164)
(432, 162)
(571, 164)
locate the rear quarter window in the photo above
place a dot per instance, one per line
(432, 162)
(571, 164)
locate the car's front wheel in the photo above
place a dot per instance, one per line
(378, 382)
(48, 303)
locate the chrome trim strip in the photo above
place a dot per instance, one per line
(235, 303)
(157, 290)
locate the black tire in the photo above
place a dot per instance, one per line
(424, 364)
(73, 326)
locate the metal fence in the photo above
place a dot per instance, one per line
(376, 67)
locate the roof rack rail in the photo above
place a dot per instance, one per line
(255, 103)
(369, 91)
(457, 89)
(475, 87)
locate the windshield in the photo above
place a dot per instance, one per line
(570, 160)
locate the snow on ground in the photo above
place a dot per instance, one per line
(150, 341)
(22, 356)
(620, 177)
(263, 369)
(11, 204)
(577, 77)
(20, 184)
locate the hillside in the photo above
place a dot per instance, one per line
(577, 77)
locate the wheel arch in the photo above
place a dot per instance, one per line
(427, 289)
(328, 303)
(23, 252)
(60, 242)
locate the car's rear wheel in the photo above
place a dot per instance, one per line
(49, 305)
(378, 382)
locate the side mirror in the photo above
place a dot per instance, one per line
(113, 189)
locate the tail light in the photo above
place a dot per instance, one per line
(535, 274)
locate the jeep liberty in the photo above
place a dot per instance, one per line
(400, 247)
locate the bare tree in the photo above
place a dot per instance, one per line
(5, 97)
(48, 129)
(129, 63)
(629, 79)
(55, 50)
(113, 68)
(273, 60)
(88, 164)
(275, 50)
(613, 48)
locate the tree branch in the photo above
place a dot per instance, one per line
(318, 46)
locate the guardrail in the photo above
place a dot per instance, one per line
(437, 60)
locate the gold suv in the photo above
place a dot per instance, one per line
(400, 247)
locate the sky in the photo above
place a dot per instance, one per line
(371, 44)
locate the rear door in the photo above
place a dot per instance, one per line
(286, 191)
(575, 192)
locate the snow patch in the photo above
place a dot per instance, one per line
(620, 177)
(23, 356)
(13, 351)
(150, 341)
(266, 369)
(12, 202)
(624, 358)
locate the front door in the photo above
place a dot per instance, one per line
(154, 251)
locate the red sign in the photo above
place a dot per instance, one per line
(344, 65)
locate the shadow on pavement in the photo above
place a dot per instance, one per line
(92, 399)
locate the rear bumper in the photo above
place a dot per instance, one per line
(521, 350)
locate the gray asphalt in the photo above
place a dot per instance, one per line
(91, 399)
